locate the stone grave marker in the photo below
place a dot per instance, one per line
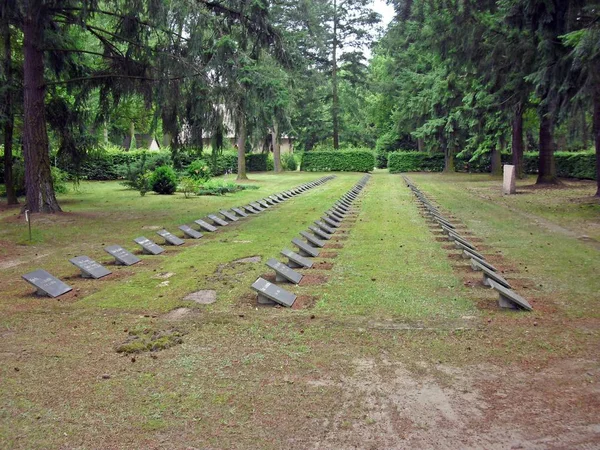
(320, 233)
(509, 298)
(269, 292)
(456, 238)
(295, 260)
(46, 284)
(334, 215)
(239, 212)
(228, 215)
(305, 249)
(481, 261)
(324, 227)
(509, 185)
(218, 220)
(148, 247)
(250, 209)
(257, 207)
(274, 199)
(122, 256)
(89, 268)
(205, 225)
(283, 272)
(170, 238)
(190, 232)
(269, 201)
(312, 239)
(331, 223)
(468, 253)
(490, 275)
(264, 204)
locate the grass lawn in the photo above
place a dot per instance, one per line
(397, 345)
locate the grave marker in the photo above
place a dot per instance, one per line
(122, 256)
(324, 227)
(509, 298)
(491, 275)
(190, 232)
(264, 204)
(170, 238)
(468, 253)
(205, 225)
(239, 212)
(257, 207)
(509, 185)
(334, 215)
(312, 239)
(228, 215)
(330, 222)
(250, 209)
(269, 292)
(483, 262)
(320, 233)
(456, 238)
(274, 199)
(295, 260)
(148, 247)
(46, 284)
(89, 268)
(218, 220)
(283, 272)
(305, 249)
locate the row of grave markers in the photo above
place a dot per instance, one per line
(48, 285)
(508, 298)
(323, 230)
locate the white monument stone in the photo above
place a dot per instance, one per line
(509, 185)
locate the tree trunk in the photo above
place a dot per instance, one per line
(105, 133)
(496, 158)
(38, 177)
(517, 141)
(597, 137)
(546, 167)
(11, 196)
(132, 141)
(241, 143)
(585, 138)
(448, 155)
(420, 144)
(335, 107)
(276, 148)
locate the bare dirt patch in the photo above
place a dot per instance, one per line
(322, 266)
(304, 302)
(204, 297)
(329, 255)
(333, 245)
(313, 280)
(339, 238)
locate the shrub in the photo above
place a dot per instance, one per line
(199, 170)
(143, 182)
(219, 187)
(59, 180)
(225, 162)
(338, 161)
(257, 162)
(189, 186)
(288, 162)
(164, 180)
(415, 162)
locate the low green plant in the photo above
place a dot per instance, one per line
(164, 180)
(219, 187)
(338, 161)
(188, 186)
(288, 162)
(143, 183)
(199, 170)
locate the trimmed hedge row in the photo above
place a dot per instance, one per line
(338, 161)
(580, 165)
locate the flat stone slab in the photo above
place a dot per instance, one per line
(264, 204)
(89, 268)
(305, 249)
(324, 227)
(228, 215)
(312, 239)
(205, 297)
(46, 284)
(239, 212)
(122, 256)
(170, 238)
(148, 247)
(490, 275)
(250, 209)
(257, 206)
(283, 272)
(296, 260)
(320, 233)
(272, 292)
(331, 223)
(205, 225)
(509, 298)
(218, 220)
(190, 232)
(509, 185)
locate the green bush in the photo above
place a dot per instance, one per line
(59, 180)
(189, 186)
(226, 162)
(164, 180)
(256, 162)
(288, 162)
(199, 170)
(338, 161)
(415, 162)
(220, 187)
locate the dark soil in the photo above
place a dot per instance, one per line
(304, 302)
(313, 280)
(322, 266)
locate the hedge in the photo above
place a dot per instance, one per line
(338, 161)
(580, 165)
